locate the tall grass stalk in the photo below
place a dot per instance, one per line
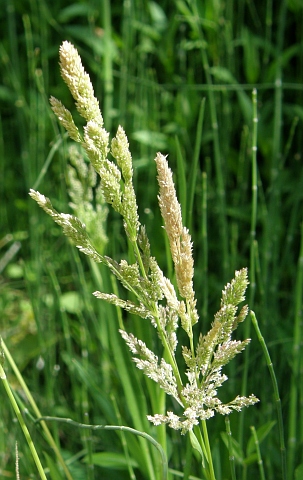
(254, 202)
(271, 263)
(253, 250)
(260, 461)
(125, 58)
(196, 26)
(194, 169)
(23, 427)
(182, 181)
(204, 248)
(35, 409)
(230, 449)
(21, 422)
(295, 390)
(276, 394)
(108, 64)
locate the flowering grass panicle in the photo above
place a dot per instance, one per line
(193, 383)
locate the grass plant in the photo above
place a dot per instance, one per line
(146, 63)
(144, 279)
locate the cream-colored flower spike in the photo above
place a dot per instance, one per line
(179, 241)
(79, 84)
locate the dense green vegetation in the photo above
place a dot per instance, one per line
(179, 77)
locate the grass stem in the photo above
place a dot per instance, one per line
(260, 461)
(276, 394)
(33, 404)
(22, 423)
(230, 449)
(293, 441)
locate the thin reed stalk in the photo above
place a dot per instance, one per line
(216, 143)
(257, 446)
(36, 410)
(295, 390)
(204, 248)
(194, 169)
(107, 65)
(271, 247)
(230, 449)
(253, 251)
(276, 394)
(21, 422)
(254, 202)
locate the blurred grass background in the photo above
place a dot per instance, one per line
(178, 76)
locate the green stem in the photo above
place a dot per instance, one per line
(22, 423)
(32, 402)
(230, 449)
(208, 451)
(48, 160)
(276, 393)
(253, 249)
(217, 150)
(260, 461)
(273, 220)
(108, 65)
(254, 187)
(194, 168)
(296, 361)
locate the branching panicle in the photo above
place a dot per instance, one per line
(148, 362)
(72, 227)
(155, 297)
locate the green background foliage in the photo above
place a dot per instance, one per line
(156, 67)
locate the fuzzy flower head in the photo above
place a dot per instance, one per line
(79, 83)
(179, 240)
(116, 178)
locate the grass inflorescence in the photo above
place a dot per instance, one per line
(217, 87)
